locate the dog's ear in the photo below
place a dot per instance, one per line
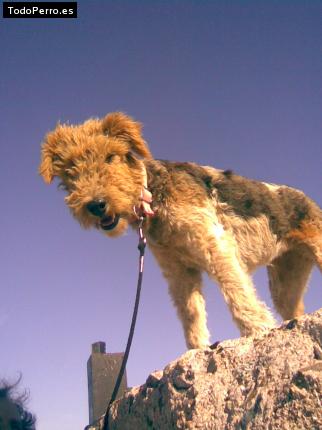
(51, 153)
(119, 125)
(46, 169)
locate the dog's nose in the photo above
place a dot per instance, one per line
(96, 207)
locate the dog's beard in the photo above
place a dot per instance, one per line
(112, 223)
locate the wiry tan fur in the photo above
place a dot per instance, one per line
(206, 220)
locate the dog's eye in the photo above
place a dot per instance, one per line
(109, 159)
(131, 159)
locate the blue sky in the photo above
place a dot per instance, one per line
(233, 84)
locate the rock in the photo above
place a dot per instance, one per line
(269, 382)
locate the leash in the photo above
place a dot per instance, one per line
(141, 247)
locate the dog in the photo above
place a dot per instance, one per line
(197, 219)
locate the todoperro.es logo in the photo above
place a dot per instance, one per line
(39, 9)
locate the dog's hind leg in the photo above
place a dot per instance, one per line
(185, 288)
(314, 242)
(316, 246)
(309, 234)
(288, 276)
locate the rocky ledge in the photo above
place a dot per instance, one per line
(269, 382)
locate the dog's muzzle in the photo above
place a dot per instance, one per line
(98, 209)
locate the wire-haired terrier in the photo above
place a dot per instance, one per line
(198, 219)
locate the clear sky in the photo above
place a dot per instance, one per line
(233, 84)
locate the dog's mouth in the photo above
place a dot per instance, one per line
(109, 222)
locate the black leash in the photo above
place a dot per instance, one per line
(141, 247)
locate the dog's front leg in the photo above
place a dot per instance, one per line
(221, 258)
(185, 288)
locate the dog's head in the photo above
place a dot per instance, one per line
(100, 165)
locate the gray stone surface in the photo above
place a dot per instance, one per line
(269, 382)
